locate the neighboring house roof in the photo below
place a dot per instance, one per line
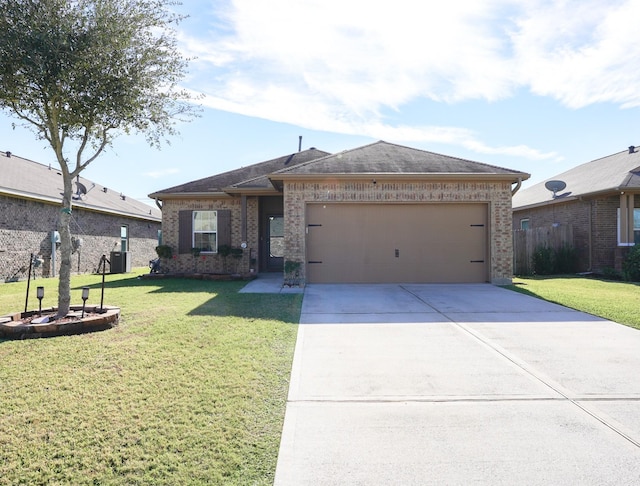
(25, 179)
(613, 173)
(387, 158)
(250, 177)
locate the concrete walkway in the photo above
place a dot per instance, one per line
(458, 384)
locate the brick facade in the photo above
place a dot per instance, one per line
(26, 227)
(497, 194)
(595, 228)
(211, 263)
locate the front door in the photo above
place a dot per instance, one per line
(275, 242)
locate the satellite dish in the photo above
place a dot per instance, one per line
(555, 186)
(80, 188)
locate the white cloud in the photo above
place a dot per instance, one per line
(336, 65)
(581, 52)
(157, 174)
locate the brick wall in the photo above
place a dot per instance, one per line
(497, 194)
(211, 263)
(26, 226)
(594, 223)
(574, 213)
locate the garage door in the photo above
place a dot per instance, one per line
(384, 243)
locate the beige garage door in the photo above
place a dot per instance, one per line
(386, 243)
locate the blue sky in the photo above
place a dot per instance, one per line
(537, 86)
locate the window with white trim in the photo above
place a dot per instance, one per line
(636, 228)
(524, 224)
(205, 231)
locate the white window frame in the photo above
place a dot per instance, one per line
(636, 211)
(124, 237)
(523, 222)
(213, 231)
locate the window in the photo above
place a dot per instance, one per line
(124, 238)
(524, 224)
(205, 231)
(636, 229)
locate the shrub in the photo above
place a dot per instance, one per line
(566, 259)
(611, 274)
(631, 265)
(164, 251)
(543, 261)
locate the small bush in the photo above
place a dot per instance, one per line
(631, 265)
(611, 274)
(543, 261)
(164, 251)
(550, 261)
(566, 259)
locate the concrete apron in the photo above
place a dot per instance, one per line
(458, 384)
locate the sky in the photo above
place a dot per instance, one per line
(536, 86)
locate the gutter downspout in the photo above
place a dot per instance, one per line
(517, 188)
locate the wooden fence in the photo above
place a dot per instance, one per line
(525, 243)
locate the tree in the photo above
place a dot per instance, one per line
(80, 72)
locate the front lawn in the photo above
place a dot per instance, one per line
(190, 388)
(616, 301)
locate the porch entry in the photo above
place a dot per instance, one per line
(275, 242)
(271, 234)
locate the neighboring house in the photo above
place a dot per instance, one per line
(378, 213)
(103, 220)
(599, 202)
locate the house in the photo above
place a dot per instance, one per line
(598, 199)
(377, 213)
(103, 220)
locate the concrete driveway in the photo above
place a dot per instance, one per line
(458, 384)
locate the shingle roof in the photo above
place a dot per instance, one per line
(26, 179)
(253, 176)
(612, 173)
(387, 158)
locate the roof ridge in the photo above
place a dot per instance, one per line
(404, 147)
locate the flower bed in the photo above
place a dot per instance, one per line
(35, 324)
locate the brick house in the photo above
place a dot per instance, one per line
(598, 201)
(103, 220)
(377, 213)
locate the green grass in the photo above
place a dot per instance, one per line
(616, 301)
(190, 388)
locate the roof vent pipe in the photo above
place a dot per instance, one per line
(632, 149)
(300, 143)
(8, 154)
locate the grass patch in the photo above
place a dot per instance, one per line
(190, 388)
(616, 301)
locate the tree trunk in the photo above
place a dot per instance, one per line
(64, 285)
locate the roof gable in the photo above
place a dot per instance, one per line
(387, 158)
(607, 174)
(25, 179)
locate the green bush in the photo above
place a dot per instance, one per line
(566, 259)
(550, 261)
(164, 251)
(631, 265)
(543, 261)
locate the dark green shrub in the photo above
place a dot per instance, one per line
(631, 265)
(611, 274)
(566, 259)
(542, 261)
(164, 251)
